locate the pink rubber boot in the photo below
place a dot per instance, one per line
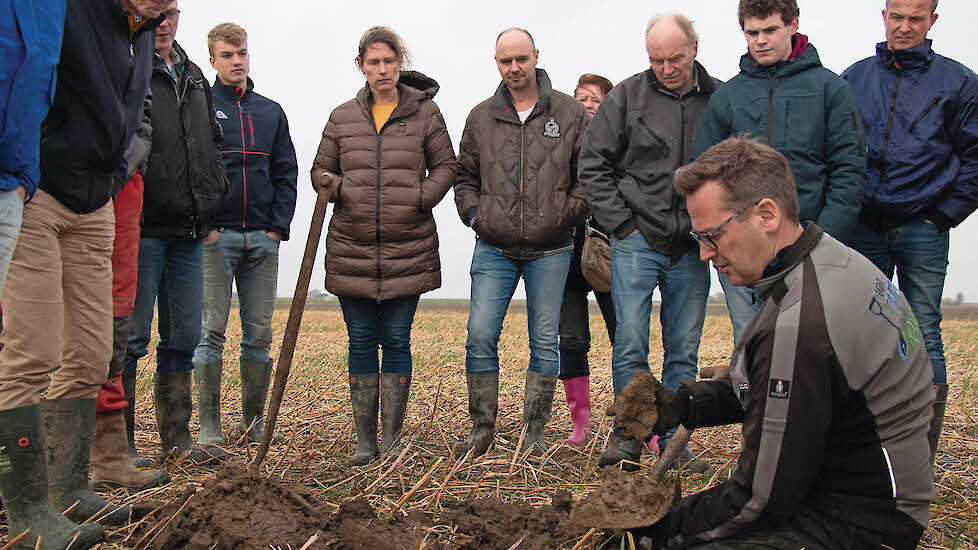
(578, 391)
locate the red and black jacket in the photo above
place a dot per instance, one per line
(259, 159)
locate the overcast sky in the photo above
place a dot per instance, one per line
(302, 55)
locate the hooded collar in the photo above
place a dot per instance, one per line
(918, 57)
(787, 258)
(806, 59)
(232, 92)
(501, 105)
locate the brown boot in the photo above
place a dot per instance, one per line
(110, 457)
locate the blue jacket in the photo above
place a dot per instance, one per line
(808, 114)
(259, 159)
(920, 111)
(30, 45)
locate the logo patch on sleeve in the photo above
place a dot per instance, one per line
(780, 388)
(220, 114)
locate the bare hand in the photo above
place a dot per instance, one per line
(274, 235)
(212, 236)
(22, 193)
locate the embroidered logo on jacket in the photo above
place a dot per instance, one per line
(220, 114)
(551, 129)
(779, 388)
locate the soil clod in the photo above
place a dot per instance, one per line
(634, 407)
(491, 524)
(625, 501)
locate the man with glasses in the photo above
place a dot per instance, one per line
(831, 380)
(642, 133)
(785, 97)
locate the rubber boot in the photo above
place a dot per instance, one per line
(394, 391)
(24, 487)
(255, 376)
(207, 377)
(623, 450)
(129, 387)
(937, 421)
(171, 392)
(483, 407)
(538, 403)
(112, 467)
(578, 392)
(364, 396)
(68, 425)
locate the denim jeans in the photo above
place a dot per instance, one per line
(575, 332)
(917, 251)
(684, 284)
(11, 212)
(742, 303)
(250, 259)
(494, 279)
(387, 325)
(171, 276)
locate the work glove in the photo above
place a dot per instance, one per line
(640, 395)
(672, 406)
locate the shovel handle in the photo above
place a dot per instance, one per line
(292, 326)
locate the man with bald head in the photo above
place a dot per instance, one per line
(517, 189)
(642, 133)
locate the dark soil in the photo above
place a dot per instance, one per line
(491, 524)
(625, 501)
(635, 406)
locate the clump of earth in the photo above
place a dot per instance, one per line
(626, 500)
(634, 406)
(491, 524)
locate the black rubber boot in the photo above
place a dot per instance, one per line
(483, 407)
(538, 402)
(207, 377)
(937, 421)
(68, 425)
(364, 396)
(171, 391)
(255, 376)
(622, 451)
(129, 387)
(394, 391)
(24, 486)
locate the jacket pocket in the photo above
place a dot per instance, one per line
(933, 103)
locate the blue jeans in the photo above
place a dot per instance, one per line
(387, 325)
(742, 303)
(250, 260)
(917, 250)
(171, 276)
(11, 213)
(684, 284)
(494, 279)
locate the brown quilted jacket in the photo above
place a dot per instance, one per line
(522, 177)
(381, 242)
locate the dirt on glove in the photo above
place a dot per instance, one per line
(634, 408)
(626, 500)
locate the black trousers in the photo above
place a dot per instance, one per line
(574, 330)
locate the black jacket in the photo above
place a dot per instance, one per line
(103, 76)
(259, 159)
(638, 138)
(185, 179)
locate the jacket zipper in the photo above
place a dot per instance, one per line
(933, 103)
(770, 106)
(251, 129)
(522, 175)
(244, 158)
(886, 138)
(377, 218)
(680, 161)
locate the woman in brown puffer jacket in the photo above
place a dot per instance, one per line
(386, 161)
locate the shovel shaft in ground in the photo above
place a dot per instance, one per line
(292, 326)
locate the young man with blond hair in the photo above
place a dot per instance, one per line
(242, 244)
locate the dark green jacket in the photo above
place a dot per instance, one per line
(809, 115)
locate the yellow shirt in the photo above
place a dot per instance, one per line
(382, 112)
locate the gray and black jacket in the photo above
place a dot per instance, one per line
(833, 385)
(638, 138)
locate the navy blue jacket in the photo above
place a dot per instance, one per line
(103, 77)
(259, 159)
(26, 84)
(920, 111)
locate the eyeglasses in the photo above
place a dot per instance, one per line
(707, 238)
(172, 14)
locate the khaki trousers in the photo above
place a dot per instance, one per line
(57, 305)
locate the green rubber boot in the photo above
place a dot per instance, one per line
(937, 421)
(68, 426)
(538, 402)
(207, 377)
(171, 391)
(483, 408)
(255, 376)
(24, 487)
(129, 387)
(394, 391)
(364, 396)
